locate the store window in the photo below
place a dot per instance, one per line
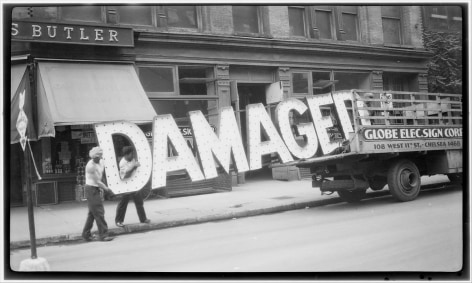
(135, 15)
(82, 13)
(300, 83)
(350, 22)
(179, 108)
(322, 82)
(324, 22)
(158, 80)
(194, 80)
(181, 16)
(296, 18)
(351, 80)
(246, 19)
(391, 24)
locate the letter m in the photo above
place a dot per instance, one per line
(219, 147)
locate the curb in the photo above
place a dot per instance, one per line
(135, 228)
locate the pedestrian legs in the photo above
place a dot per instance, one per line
(121, 208)
(139, 203)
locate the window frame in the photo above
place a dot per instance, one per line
(401, 32)
(103, 14)
(198, 19)
(162, 95)
(306, 26)
(314, 22)
(340, 13)
(260, 22)
(310, 82)
(118, 16)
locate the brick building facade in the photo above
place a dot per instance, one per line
(208, 57)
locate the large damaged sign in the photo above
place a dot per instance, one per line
(224, 147)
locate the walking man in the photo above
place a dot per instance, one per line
(94, 190)
(127, 166)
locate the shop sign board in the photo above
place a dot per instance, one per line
(225, 149)
(51, 32)
(394, 139)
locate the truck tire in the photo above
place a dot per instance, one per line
(352, 196)
(404, 180)
(455, 178)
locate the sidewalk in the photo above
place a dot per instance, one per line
(64, 222)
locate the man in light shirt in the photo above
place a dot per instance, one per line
(94, 189)
(127, 166)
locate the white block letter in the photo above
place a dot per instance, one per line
(257, 117)
(212, 147)
(282, 113)
(322, 122)
(141, 175)
(165, 131)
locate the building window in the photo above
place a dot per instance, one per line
(246, 19)
(194, 80)
(296, 19)
(349, 22)
(82, 13)
(300, 83)
(135, 15)
(181, 16)
(324, 22)
(158, 80)
(351, 80)
(322, 82)
(391, 24)
(444, 17)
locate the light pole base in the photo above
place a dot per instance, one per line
(37, 264)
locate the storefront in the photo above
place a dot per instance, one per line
(70, 93)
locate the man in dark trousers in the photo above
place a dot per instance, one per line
(94, 191)
(127, 166)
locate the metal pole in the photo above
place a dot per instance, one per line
(29, 199)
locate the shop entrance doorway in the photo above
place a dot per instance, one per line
(251, 93)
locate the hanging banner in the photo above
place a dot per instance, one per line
(21, 123)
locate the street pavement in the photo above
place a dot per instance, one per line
(377, 234)
(64, 222)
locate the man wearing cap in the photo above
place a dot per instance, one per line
(128, 165)
(94, 188)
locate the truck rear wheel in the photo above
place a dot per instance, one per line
(404, 180)
(352, 196)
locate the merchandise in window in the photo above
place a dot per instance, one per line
(135, 15)
(296, 18)
(246, 19)
(82, 13)
(181, 16)
(391, 24)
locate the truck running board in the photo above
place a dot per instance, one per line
(350, 184)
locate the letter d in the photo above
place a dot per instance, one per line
(135, 135)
